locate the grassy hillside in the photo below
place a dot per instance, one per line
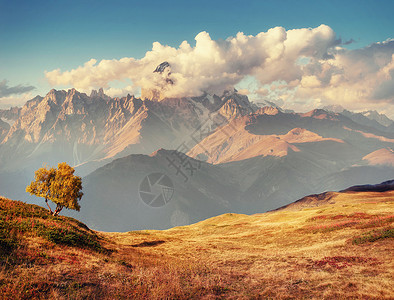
(335, 246)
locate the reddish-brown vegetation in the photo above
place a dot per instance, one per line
(335, 251)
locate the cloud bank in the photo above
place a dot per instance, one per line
(14, 95)
(301, 67)
(6, 90)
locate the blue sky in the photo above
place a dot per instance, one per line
(38, 36)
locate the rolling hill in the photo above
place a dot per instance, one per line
(325, 246)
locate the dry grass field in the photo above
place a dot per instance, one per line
(341, 248)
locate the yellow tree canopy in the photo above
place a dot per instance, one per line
(59, 185)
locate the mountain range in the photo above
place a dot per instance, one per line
(220, 153)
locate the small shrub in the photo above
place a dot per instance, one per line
(374, 235)
(8, 240)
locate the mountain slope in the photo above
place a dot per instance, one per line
(380, 118)
(356, 192)
(113, 201)
(383, 157)
(233, 142)
(271, 132)
(367, 118)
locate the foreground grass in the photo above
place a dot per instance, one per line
(18, 219)
(338, 250)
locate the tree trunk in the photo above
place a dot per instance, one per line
(46, 201)
(57, 210)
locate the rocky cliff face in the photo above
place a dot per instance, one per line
(74, 127)
(10, 114)
(4, 128)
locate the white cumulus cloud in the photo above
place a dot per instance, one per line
(309, 64)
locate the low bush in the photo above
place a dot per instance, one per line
(374, 235)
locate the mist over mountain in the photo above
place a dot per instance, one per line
(115, 195)
(369, 118)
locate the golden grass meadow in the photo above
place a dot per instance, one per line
(341, 249)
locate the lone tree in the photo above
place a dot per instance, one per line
(59, 185)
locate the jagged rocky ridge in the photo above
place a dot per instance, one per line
(72, 126)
